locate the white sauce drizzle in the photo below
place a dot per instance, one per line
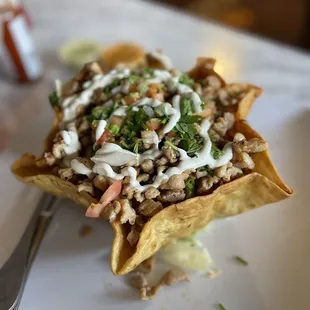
(70, 104)
(148, 101)
(114, 155)
(80, 168)
(121, 111)
(100, 129)
(175, 116)
(71, 141)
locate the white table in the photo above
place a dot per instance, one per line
(283, 73)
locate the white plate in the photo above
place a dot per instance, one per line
(73, 273)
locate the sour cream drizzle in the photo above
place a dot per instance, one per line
(71, 103)
(80, 168)
(175, 116)
(100, 129)
(71, 140)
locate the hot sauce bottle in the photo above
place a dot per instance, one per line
(19, 50)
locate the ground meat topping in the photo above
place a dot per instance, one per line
(147, 166)
(101, 183)
(65, 173)
(50, 158)
(151, 193)
(149, 207)
(128, 214)
(111, 211)
(175, 182)
(170, 154)
(161, 161)
(206, 183)
(245, 161)
(173, 196)
(86, 187)
(139, 196)
(254, 145)
(133, 236)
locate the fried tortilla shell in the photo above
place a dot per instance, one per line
(263, 186)
(126, 53)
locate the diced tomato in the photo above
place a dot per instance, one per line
(106, 136)
(133, 88)
(155, 91)
(153, 124)
(109, 195)
(172, 134)
(131, 98)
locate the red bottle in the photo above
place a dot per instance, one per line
(20, 52)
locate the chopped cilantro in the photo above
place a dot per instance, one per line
(134, 78)
(94, 123)
(144, 88)
(207, 169)
(216, 152)
(114, 129)
(162, 114)
(190, 119)
(186, 106)
(241, 260)
(190, 189)
(149, 72)
(212, 138)
(164, 119)
(124, 144)
(191, 144)
(107, 90)
(221, 307)
(53, 98)
(170, 144)
(118, 103)
(185, 79)
(137, 145)
(134, 96)
(204, 104)
(131, 130)
(101, 112)
(161, 110)
(190, 140)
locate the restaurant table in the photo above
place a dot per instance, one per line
(283, 73)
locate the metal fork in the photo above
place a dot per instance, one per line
(14, 272)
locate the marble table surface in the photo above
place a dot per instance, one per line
(280, 70)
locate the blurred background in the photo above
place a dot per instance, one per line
(45, 40)
(286, 21)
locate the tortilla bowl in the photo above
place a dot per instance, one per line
(262, 186)
(256, 189)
